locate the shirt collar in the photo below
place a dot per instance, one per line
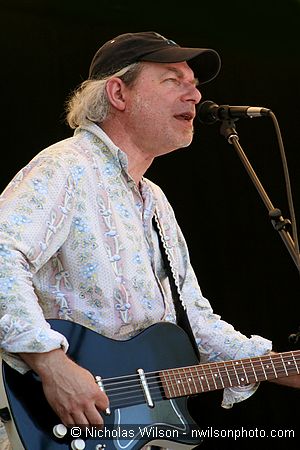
(122, 161)
(120, 156)
(100, 133)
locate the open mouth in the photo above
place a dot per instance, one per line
(185, 116)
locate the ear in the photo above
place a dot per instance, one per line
(115, 92)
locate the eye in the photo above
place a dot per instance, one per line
(173, 79)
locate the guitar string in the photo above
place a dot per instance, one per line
(113, 391)
(175, 375)
(182, 390)
(258, 360)
(126, 390)
(205, 383)
(208, 370)
(117, 401)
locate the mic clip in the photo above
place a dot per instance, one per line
(228, 130)
(278, 222)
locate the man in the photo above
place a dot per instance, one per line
(81, 227)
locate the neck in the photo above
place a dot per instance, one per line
(210, 376)
(137, 168)
(139, 159)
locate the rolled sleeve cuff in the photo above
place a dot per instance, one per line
(237, 394)
(20, 337)
(257, 346)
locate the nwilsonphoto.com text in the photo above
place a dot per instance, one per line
(137, 432)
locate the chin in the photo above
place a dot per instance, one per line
(185, 146)
(186, 142)
(179, 146)
(174, 144)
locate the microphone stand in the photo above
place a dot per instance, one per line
(280, 224)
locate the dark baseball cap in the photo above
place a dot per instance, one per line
(129, 48)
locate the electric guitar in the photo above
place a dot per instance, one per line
(147, 380)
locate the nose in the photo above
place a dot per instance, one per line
(198, 95)
(192, 94)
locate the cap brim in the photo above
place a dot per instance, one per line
(205, 62)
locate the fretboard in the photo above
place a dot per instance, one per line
(211, 376)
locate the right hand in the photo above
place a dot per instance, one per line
(70, 389)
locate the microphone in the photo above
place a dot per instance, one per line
(209, 112)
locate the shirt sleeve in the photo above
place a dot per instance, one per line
(36, 210)
(216, 339)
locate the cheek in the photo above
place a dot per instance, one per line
(151, 117)
(149, 112)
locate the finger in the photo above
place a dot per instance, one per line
(93, 416)
(102, 402)
(67, 420)
(80, 418)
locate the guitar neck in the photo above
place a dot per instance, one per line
(211, 376)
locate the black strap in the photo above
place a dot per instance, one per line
(181, 315)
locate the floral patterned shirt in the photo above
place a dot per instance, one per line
(77, 242)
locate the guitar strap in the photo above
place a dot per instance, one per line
(181, 314)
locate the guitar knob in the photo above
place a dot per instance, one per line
(78, 444)
(60, 431)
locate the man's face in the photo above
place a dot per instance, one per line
(160, 107)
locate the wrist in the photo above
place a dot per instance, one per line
(43, 363)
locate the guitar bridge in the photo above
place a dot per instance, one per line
(145, 388)
(98, 380)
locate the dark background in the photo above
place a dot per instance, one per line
(242, 264)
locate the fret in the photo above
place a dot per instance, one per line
(283, 363)
(216, 375)
(212, 376)
(245, 372)
(296, 365)
(166, 384)
(187, 381)
(290, 363)
(171, 383)
(220, 376)
(234, 363)
(240, 371)
(262, 366)
(270, 370)
(196, 390)
(175, 384)
(228, 376)
(275, 373)
(204, 379)
(199, 379)
(180, 382)
(254, 372)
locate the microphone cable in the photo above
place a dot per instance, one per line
(287, 182)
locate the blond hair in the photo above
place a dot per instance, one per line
(90, 101)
